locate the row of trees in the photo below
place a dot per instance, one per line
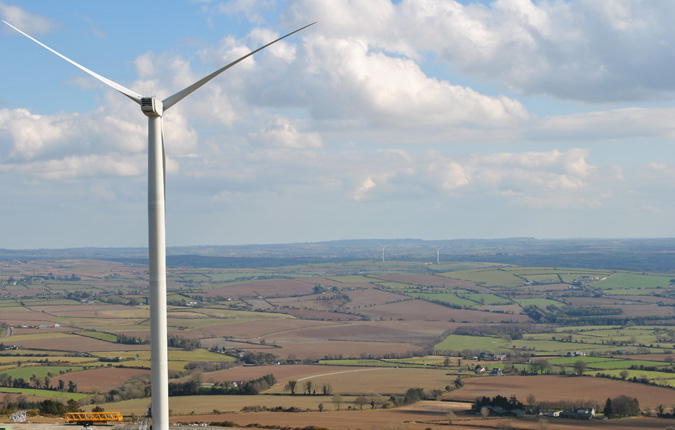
(46, 407)
(45, 383)
(194, 387)
(621, 406)
(308, 388)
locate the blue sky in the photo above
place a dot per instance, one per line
(408, 119)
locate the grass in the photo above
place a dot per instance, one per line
(40, 371)
(449, 298)
(355, 279)
(227, 277)
(98, 335)
(487, 277)
(633, 280)
(456, 342)
(186, 356)
(39, 336)
(359, 362)
(541, 303)
(44, 393)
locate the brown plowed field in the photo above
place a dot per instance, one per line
(554, 388)
(370, 297)
(76, 343)
(267, 289)
(261, 328)
(104, 379)
(320, 315)
(318, 349)
(281, 373)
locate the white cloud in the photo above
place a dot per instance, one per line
(348, 80)
(26, 21)
(283, 132)
(580, 50)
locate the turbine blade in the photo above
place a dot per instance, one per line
(126, 91)
(172, 100)
(161, 128)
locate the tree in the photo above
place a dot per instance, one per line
(337, 399)
(73, 406)
(413, 395)
(62, 385)
(290, 386)
(624, 374)
(320, 407)
(484, 412)
(326, 389)
(72, 387)
(451, 417)
(360, 401)
(52, 407)
(609, 409)
(308, 387)
(531, 399)
(458, 382)
(543, 366)
(98, 408)
(580, 367)
(375, 399)
(624, 406)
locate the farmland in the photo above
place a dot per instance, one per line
(79, 328)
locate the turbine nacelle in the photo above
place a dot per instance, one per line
(151, 106)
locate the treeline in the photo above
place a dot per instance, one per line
(621, 406)
(47, 407)
(130, 340)
(514, 331)
(592, 315)
(507, 404)
(195, 388)
(209, 366)
(172, 341)
(186, 344)
(7, 380)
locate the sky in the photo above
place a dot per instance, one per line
(427, 119)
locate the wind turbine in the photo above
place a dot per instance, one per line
(383, 246)
(438, 255)
(154, 109)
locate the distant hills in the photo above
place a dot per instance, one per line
(619, 254)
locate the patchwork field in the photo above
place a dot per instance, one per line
(355, 330)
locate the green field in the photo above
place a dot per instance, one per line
(487, 277)
(632, 281)
(40, 371)
(44, 393)
(98, 335)
(356, 279)
(540, 303)
(456, 342)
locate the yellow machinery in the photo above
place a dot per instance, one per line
(89, 418)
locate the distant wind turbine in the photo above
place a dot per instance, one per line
(438, 255)
(154, 109)
(383, 246)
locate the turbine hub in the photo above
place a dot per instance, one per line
(152, 106)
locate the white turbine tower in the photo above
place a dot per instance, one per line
(438, 255)
(154, 109)
(383, 246)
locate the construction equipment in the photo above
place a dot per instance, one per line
(89, 418)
